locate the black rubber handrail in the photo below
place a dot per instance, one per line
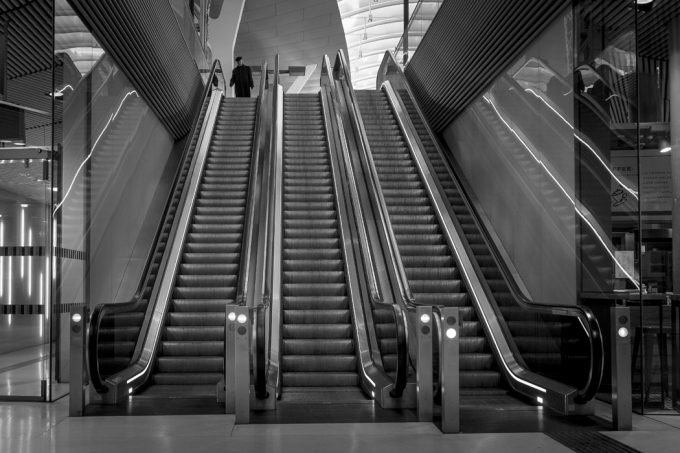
(585, 316)
(401, 375)
(135, 303)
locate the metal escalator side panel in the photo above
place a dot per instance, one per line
(386, 350)
(374, 380)
(135, 376)
(114, 328)
(396, 346)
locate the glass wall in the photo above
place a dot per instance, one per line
(25, 155)
(578, 138)
(85, 171)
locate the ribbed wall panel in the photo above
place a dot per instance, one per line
(466, 47)
(29, 31)
(145, 40)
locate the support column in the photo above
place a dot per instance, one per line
(405, 41)
(674, 98)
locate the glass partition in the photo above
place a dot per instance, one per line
(25, 154)
(85, 172)
(579, 140)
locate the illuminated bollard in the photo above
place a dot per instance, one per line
(622, 394)
(77, 367)
(425, 398)
(229, 365)
(449, 376)
(242, 336)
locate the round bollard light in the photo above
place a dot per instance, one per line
(241, 319)
(451, 333)
(425, 318)
(623, 332)
(231, 316)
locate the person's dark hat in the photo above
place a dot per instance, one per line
(239, 59)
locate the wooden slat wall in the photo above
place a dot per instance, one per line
(466, 47)
(145, 40)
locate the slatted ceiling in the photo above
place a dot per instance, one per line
(467, 45)
(28, 27)
(9, 5)
(144, 39)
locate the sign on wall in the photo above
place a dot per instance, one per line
(655, 181)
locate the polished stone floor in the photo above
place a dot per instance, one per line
(39, 427)
(21, 371)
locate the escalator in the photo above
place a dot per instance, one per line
(532, 335)
(191, 351)
(318, 348)
(169, 340)
(431, 269)
(549, 353)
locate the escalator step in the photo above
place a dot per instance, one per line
(319, 362)
(320, 379)
(303, 347)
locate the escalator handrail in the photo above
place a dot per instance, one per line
(342, 74)
(585, 316)
(270, 294)
(135, 303)
(401, 375)
(366, 251)
(400, 380)
(274, 153)
(242, 295)
(248, 227)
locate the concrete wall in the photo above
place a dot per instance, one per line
(300, 31)
(222, 33)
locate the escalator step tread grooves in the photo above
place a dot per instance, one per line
(122, 332)
(430, 267)
(317, 339)
(539, 350)
(192, 345)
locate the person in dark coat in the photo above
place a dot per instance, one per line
(242, 77)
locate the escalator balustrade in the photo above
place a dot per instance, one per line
(431, 270)
(119, 331)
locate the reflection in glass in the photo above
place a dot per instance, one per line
(25, 154)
